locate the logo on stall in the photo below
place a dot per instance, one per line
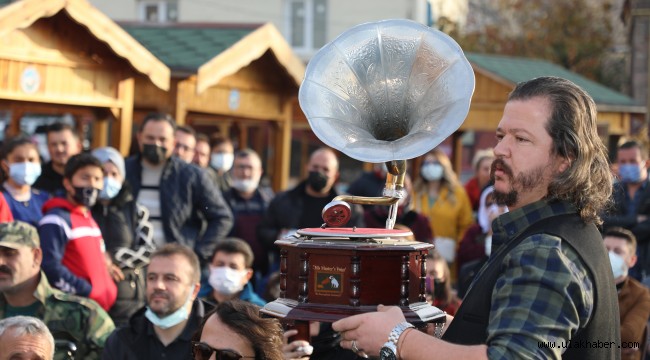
(329, 283)
(30, 80)
(233, 99)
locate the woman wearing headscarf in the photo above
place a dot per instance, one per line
(127, 235)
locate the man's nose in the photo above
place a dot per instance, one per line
(501, 148)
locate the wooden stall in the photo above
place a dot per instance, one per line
(237, 80)
(66, 57)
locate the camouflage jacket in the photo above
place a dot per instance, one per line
(71, 318)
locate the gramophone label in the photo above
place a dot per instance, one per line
(328, 280)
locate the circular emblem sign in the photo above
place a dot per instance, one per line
(30, 80)
(233, 99)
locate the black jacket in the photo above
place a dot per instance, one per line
(188, 199)
(50, 180)
(134, 341)
(617, 216)
(285, 212)
(117, 220)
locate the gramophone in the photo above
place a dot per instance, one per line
(381, 92)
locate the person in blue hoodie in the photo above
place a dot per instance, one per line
(21, 166)
(231, 270)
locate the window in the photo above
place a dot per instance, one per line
(307, 24)
(158, 11)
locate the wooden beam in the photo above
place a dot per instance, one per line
(282, 157)
(123, 126)
(100, 132)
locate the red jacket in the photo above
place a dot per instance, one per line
(73, 252)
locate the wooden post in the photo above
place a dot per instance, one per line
(282, 146)
(124, 121)
(100, 130)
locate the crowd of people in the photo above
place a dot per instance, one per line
(170, 252)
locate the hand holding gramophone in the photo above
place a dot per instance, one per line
(381, 92)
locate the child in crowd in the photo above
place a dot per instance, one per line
(21, 166)
(72, 243)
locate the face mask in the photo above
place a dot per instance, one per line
(630, 173)
(25, 173)
(244, 185)
(488, 245)
(317, 181)
(432, 172)
(222, 161)
(111, 188)
(85, 195)
(153, 153)
(619, 267)
(225, 280)
(172, 319)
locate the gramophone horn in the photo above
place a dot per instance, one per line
(389, 90)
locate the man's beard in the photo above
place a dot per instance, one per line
(525, 181)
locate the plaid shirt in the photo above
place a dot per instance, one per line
(544, 293)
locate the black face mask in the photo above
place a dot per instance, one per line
(317, 181)
(85, 195)
(439, 289)
(153, 153)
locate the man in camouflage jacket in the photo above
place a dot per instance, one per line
(24, 290)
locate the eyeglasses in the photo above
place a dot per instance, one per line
(203, 351)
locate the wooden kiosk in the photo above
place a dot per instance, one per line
(238, 80)
(66, 57)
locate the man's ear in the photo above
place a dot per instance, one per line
(195, 291)
(249, 274)
(632, 261)
(67, 185)
(38, 257)
(565, 163)
(138, 138)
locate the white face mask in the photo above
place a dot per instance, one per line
(225, 280)
(172, 319)
(432, 172)
(488, 245)
(25, 173)
(222, 161)
(245, 185)
(619, 267)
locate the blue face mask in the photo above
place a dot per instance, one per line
(629, 173)
(111, 188)
(172, 319)
(25, 173)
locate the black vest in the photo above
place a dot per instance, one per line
(469, 326)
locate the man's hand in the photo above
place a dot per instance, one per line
(369, 331)
(299, 349)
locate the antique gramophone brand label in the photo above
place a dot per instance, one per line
(328, 280)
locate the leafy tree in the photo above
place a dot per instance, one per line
(576, 34)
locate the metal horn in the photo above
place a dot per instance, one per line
(386, 92)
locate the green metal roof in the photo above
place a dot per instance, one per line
(186, 47)
(517, 69)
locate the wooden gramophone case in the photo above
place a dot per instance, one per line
(331, 273)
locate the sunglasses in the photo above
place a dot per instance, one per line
(203, 351)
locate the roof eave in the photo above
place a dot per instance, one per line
(245, 51)
(632, 109)
(22, 14)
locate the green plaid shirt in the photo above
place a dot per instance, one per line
(544, 293)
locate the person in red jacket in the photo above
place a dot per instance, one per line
(72, 243)
(5, 211)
